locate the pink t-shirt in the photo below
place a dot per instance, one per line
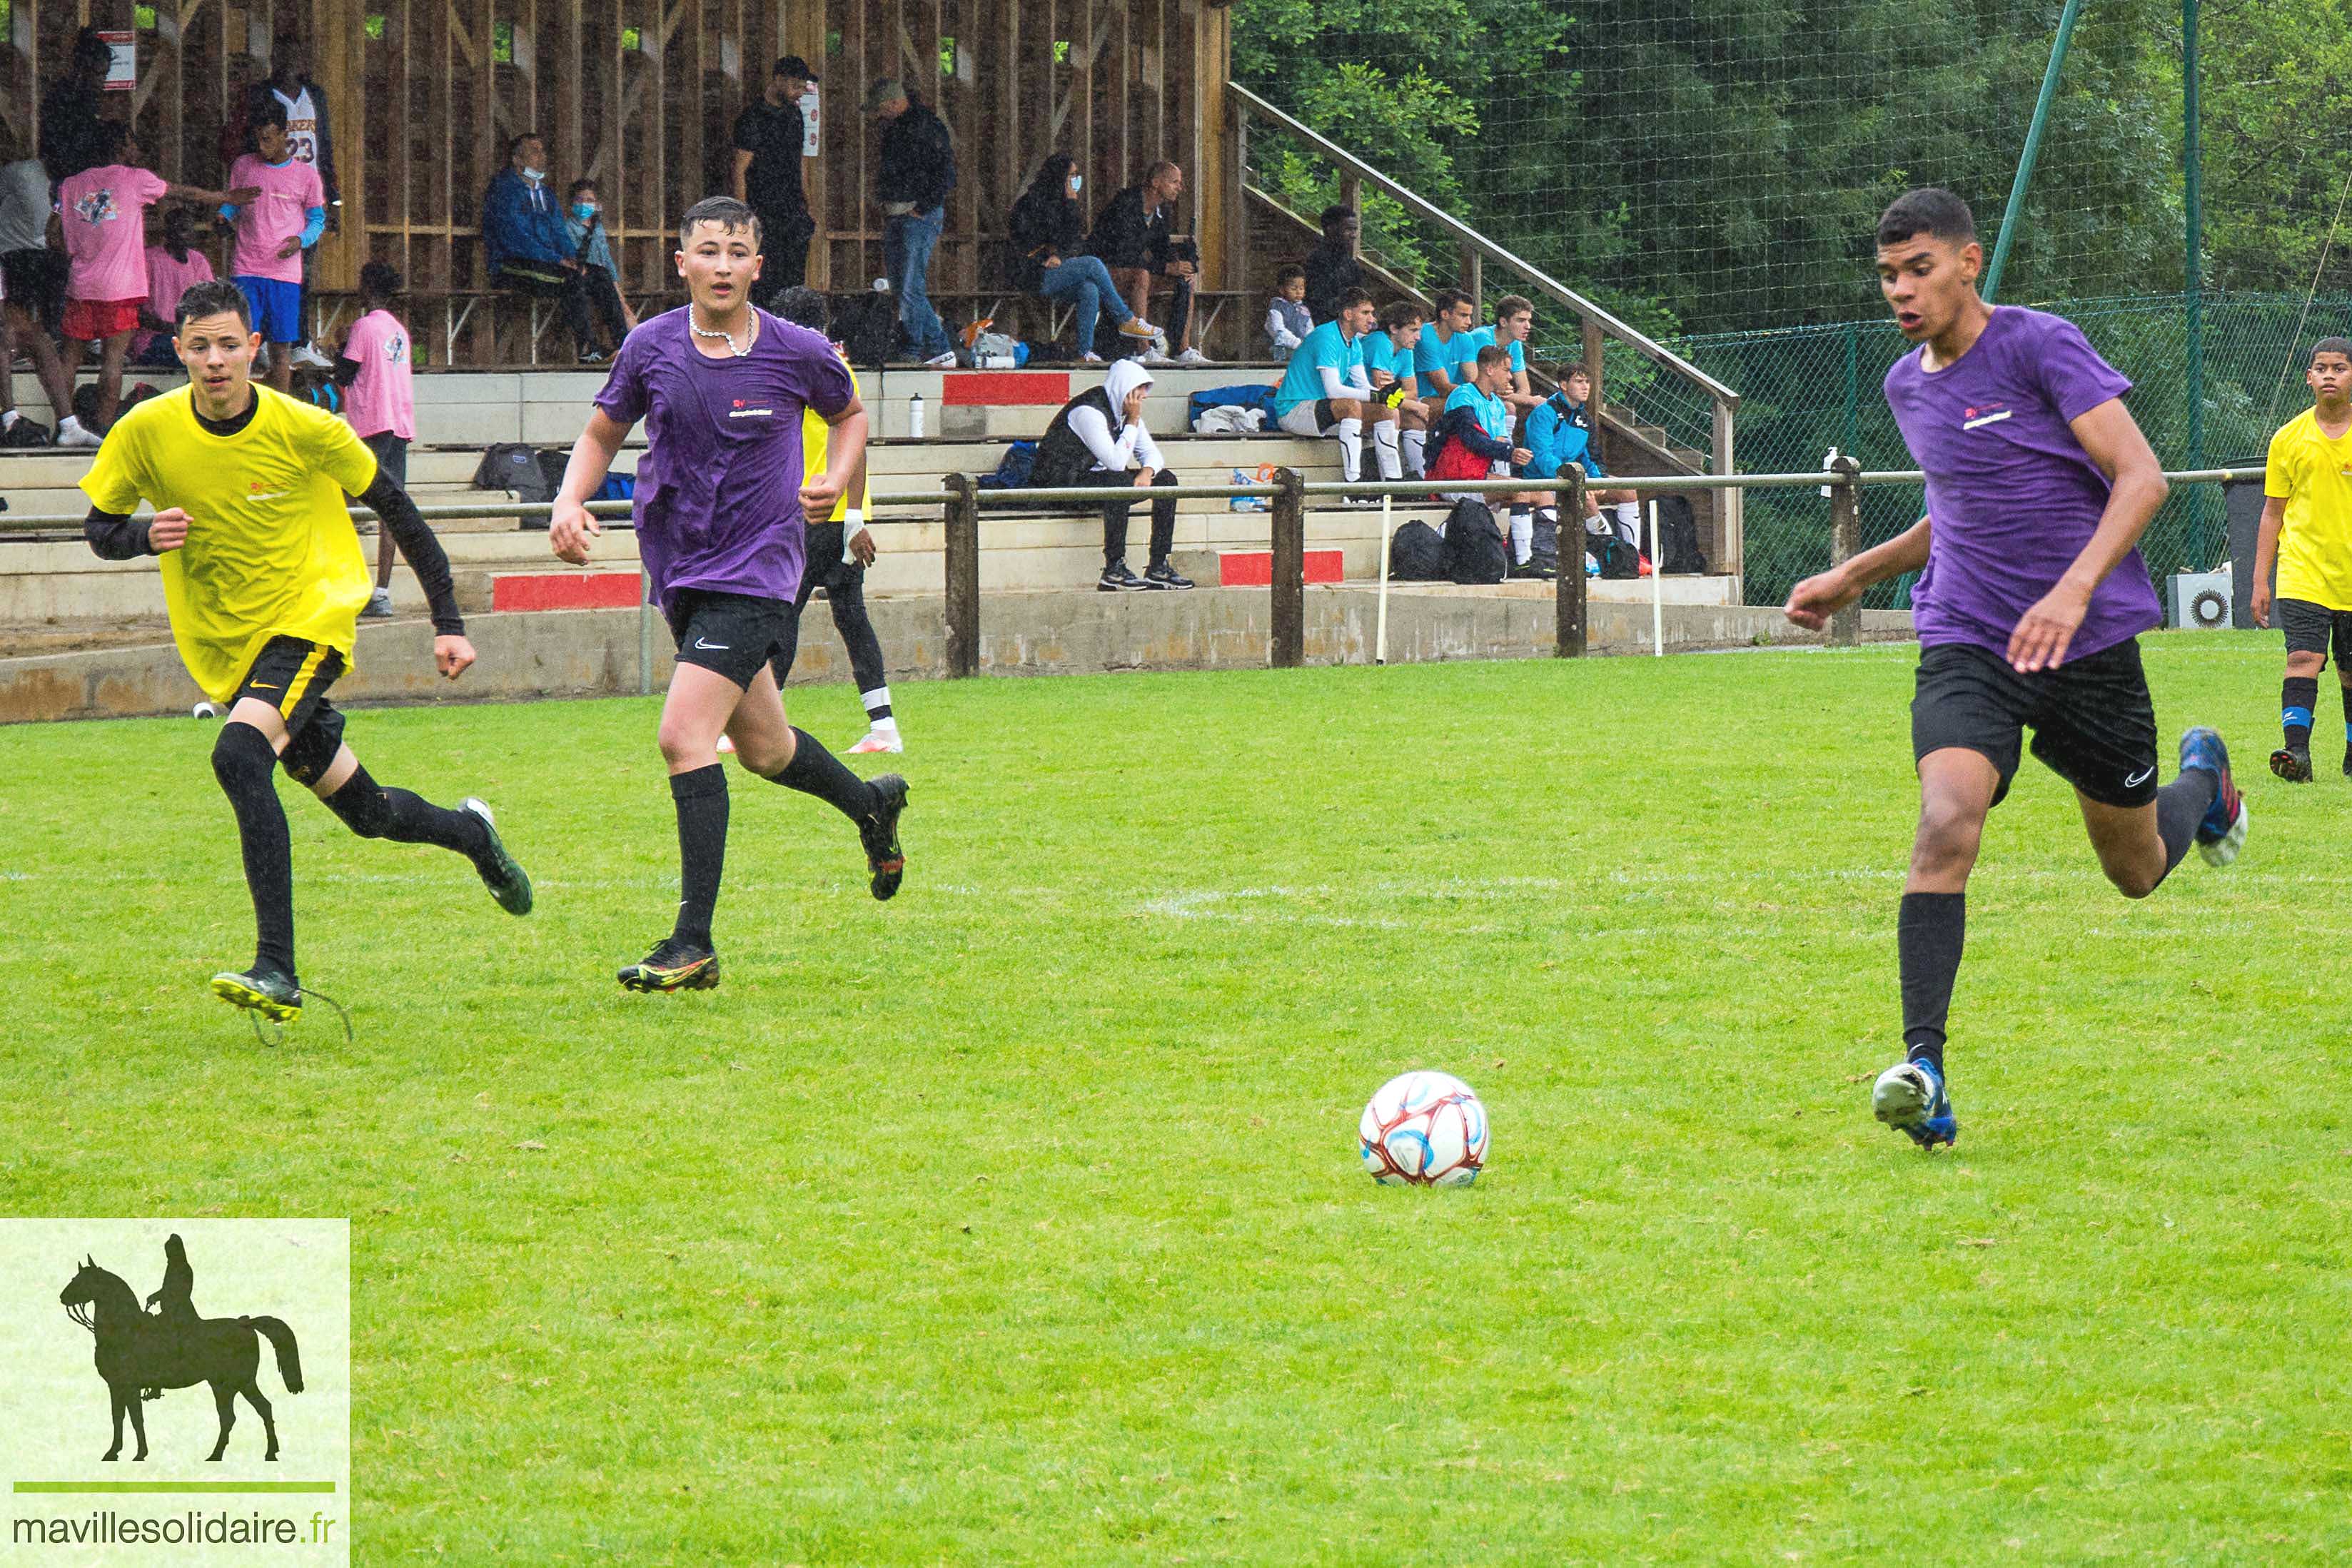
(168, 279)
(288, 191)
(102, 212)
(383, 396)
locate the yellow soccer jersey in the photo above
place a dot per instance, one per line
(270, 550)
(814, 431)
(2314, 475)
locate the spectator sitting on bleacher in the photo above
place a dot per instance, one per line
(1332, 269)
(583, 222)
(1099, 440)
(373, 368)
(1133, 234)
(1326, 392)
(1389, 366)
(1287, 320)
(173, 267)
(1047, 234)
(1474, 442)
(1433, 358)
(530, 253)
(1560, 432)
(1514, 320)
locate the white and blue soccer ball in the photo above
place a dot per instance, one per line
(1424, 1129)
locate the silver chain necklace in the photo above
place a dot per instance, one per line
(749, 335)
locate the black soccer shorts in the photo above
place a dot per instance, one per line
(2094, 723)
(730, 634)
(292, 675)
(2314, 629)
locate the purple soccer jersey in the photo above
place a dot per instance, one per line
(718, 497)
(2012, 495)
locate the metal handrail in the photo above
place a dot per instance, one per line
(1463, 232)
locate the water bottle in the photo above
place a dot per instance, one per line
(915, 416)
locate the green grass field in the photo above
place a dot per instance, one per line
(1020, 1220)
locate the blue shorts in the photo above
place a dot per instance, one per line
(277, 309)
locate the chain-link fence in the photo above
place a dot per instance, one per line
(1805, 390)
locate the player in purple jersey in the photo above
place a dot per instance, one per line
(2031, 597)
(720, 512)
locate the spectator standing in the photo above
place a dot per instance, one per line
(1287, 320)
(1133, 234)
(1326, 392)
(275, 225)
(918, 171)
(1047, 234)
(1434, 360)
(1515, 318)
(31, 288)
(770, 137)
(70, 122)
(310, 137)
(173, 267)
(1099, 439)
(1389, 366)
(583, 222)
(529, 250)
(102, 212)
(380, 400)
(1332, 269)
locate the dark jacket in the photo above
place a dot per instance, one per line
(1127, 235)
(257, 99)
(522, 227)
(1330, 272)
(1044, 221)
(1062, 458)
(68, 131)
(918, 160)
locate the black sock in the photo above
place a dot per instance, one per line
(2180, 807)
(373, 812)
(815, 771)
(244, 761)
(1929, 936)
(701, 798)
(2298, 695)
(2347, 721)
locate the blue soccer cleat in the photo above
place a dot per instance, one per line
(2222, 833)
(1909, 1097)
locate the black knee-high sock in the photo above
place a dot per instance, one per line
(2298, 695)
(701, 798)
(373, 811)
(2180, 807)
(242, 760)
(2347, 721)
(815, 771)
(1929, 936)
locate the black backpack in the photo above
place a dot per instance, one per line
(1617, 560)
(1417, 554)
(1677, 541)
(1473, 548)
(512, 466)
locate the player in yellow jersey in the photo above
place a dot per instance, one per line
(2306, 532)
(264, 579)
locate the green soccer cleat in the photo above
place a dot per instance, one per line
(507, 881)
(673, 966)
(274, 995)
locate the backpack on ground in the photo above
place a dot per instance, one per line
(1677, 541)
(1013, 470)
(1417, 554)
(1473, 547)
(1617, 559)
(513, 466)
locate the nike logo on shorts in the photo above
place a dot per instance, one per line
(2140, 778)
(710, 647)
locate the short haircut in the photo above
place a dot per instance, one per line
(216, 297)
(1511, 305)
(270, 113)
(1446, 299)
(1930, 210)
(1160, 166)
(725, 211)
(1492, 354)
(805, 307)
(380, 280)
(1352, 298)
(1398, 314)
(2332, 346)
(514, 142)
(1572, 370)
(1287, 271)
(579, 185)
(1335, 212)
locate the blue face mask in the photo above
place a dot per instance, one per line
(584, 211)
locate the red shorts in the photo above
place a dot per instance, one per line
(94, 320)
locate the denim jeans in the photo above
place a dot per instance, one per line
(906, 244)
(1085, 279)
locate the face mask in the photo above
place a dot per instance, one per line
(534, 174)
(1076, 182)
(584, 211)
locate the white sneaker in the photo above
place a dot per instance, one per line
(71, 432)
(379, 606)
(1090, 358)
(1193, 357)
(879, 740)
(1154, 357)
(307, 354)
(941, 363)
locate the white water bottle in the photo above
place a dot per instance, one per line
(915, 416)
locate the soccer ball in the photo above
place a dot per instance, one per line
(1424, 1129)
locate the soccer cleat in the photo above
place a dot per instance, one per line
(2222, 833)
(506, 881)
(878, 740)
(673, 966)
(879, 833)
(2293, 763)
(1118, 579)
(1909, 1097)
(274, 995)
(1160, 574)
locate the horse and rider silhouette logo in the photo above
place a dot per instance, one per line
(141, 1352)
